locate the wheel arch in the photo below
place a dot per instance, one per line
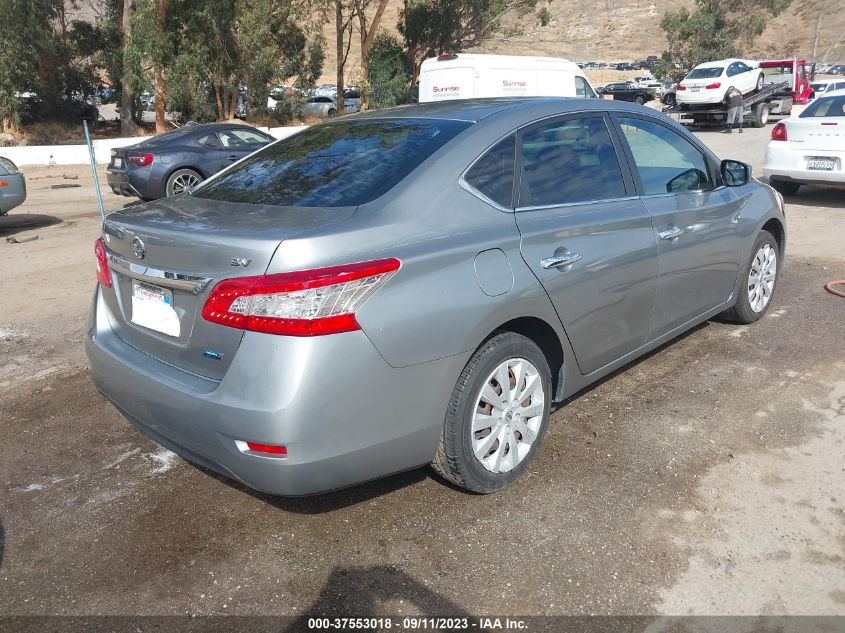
(546, 338)
(776, 228)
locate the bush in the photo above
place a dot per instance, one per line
(288, 108)
(388, 74)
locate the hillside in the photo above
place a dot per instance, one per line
(624, 30)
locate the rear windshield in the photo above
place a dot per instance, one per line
(824, 107)
(705, 73)
(336, 164)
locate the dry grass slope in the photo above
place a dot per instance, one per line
(624, 30)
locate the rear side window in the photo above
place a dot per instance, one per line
(570, 160)
(492, 174)
(666, 161)
(825, 107)
(337, 164)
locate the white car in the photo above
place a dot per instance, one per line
(709, 82)
(824, 86)
(810, 148)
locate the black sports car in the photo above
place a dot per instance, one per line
(170, 163)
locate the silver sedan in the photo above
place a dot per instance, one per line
(12, 186)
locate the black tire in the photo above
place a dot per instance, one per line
(742, 312)
(785, 187)
(761, 115)
(332, 112)
(639, 100)
(669, 99)
(455, 460)
(180, 175)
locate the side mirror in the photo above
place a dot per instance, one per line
(735, 173)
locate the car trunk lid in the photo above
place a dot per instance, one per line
(165, 258)
(816, 133)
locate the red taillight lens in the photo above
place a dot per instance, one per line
(141, 160)
(681, 87)
(103, 272)
(270, 449)
(713, 86)
(302, 303)
(779, 132)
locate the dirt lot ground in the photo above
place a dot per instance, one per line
(706, 478)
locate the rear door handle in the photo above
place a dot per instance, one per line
(671, 233)
(232, 157)
(560, 260)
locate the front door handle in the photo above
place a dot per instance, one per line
(232, 157)
(671, 233)
(560, 260)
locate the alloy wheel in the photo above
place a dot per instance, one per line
(183, 182)
(761, 278)
(507, 415)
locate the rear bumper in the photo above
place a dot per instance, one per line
(783, 162)
(13, 192)
(343, 413)
(139, 183)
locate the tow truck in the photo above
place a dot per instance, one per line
(786, 84)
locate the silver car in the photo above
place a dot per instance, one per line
(420, 285)
(12, 186)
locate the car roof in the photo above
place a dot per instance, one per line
(474, 110)
(721, 62)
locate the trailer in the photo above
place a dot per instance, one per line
(773, 99)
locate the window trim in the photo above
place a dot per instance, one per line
(624, 168)
(709, 157)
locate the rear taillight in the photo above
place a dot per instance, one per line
(141, 160)
(681, 88)
(302, 303)
(103, 272)
(779, 132)
(713, 86)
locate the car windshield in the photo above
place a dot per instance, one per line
(342, 163)
(705, 73)
(825, 107)
(818, 87)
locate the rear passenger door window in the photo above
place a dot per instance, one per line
(492, 174)
(664, 160)
(568, 161)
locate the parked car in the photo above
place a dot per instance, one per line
(352, 99)
(173, 162)
(320, 106)
(628, 91)
(824, 85)
(810, 148)
(836, 69)
(709, 82)
(418, 285)
(12, 186)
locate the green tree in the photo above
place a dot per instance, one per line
(715, 29)
(431, 27)
(388, 73)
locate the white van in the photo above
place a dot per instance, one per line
(467, 76)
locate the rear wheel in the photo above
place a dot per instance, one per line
(332, 112)
(761, 115)
(784, 187)
(181, 180)
(759, 277)
(639, 100)
(497, 415)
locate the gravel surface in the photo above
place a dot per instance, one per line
(705, 478)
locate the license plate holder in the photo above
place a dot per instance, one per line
(118, 162)
(695, 89)
(821, 163)
(152, 308)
